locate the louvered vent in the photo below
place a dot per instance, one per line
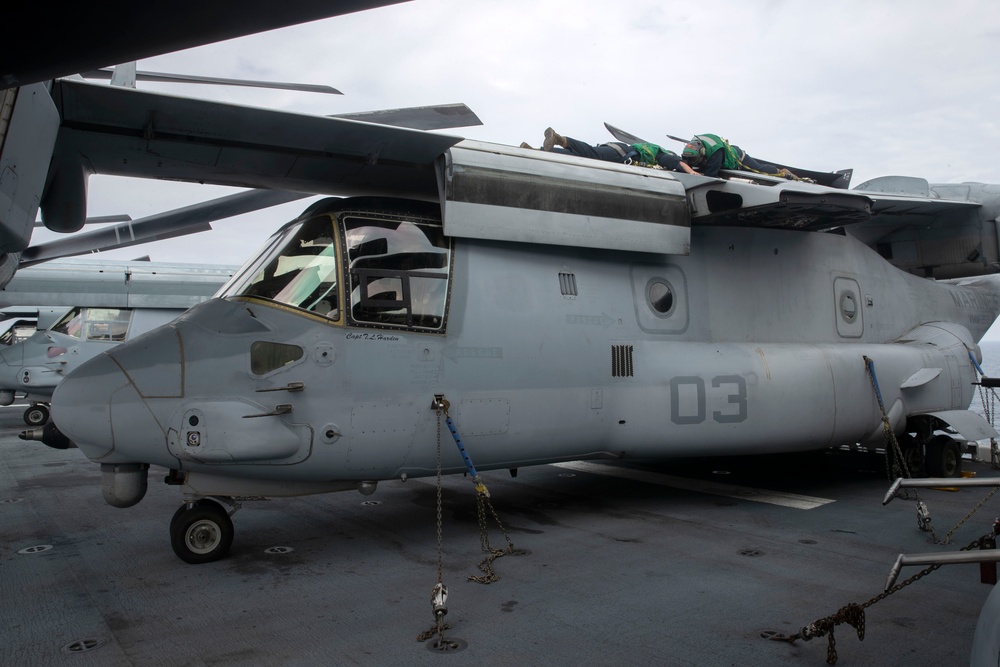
(621, 361)
(567, 284)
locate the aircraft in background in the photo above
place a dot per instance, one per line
(123, 300)
(17, 324)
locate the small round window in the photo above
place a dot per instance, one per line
(661, 296)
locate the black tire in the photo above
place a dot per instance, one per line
(36, 415)
(201, 534)
(943, 458)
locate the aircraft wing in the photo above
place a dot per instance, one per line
(127, 132)
(72, 39)
(773, 202)
(944, 231)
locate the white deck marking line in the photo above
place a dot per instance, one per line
(715, 488)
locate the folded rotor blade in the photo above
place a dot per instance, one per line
(166, 77)
(436, 117)
(187, 220)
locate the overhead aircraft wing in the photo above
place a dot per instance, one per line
(179, 222)
(127, 132)
(71, 40)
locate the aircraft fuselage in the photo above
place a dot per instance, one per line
(753, 343)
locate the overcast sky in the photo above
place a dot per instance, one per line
(909, 87)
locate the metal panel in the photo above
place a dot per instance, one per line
(969, 425)
(512, 194)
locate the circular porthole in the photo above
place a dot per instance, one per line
(660, 296)
(848, 306)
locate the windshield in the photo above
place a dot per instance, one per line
(299, 271)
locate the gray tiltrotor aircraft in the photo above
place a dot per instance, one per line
(562, 309)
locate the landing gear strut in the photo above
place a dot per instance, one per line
(201, 533)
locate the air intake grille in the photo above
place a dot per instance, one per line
(567, 284)
(621, 361)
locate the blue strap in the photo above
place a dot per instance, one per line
(461, 448)
(878, 392)
(976, 364)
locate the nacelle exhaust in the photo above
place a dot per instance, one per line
(48, 435)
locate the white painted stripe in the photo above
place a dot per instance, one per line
(742, 492)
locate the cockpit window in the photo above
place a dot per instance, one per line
(394, 269)
(303, 272)
(98, 324)
(398, 272)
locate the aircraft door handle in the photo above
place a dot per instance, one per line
(291, 386)
(282, 409)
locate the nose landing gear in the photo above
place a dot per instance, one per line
(36, 415)
(201, 532)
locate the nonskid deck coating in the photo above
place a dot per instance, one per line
(619, 570)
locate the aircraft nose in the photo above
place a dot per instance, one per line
(81, 404)
(101, 406)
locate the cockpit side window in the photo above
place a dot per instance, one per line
(71, 323)
(364, 267)
(304, 271)
(399, 272)
(107, 324)
(98, 324)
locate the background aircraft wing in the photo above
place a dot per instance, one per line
(73, 39)
(127, 132)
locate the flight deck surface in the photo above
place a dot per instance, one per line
(661, 565)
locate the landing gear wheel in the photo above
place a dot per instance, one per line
(944, 457)
(36, 415)
(201, 534)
